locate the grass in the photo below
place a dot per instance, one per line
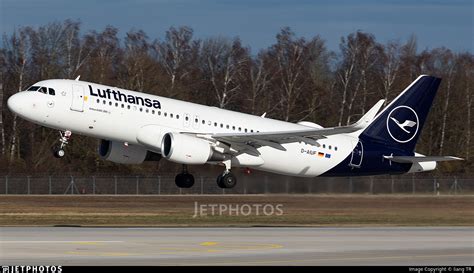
(298, 210)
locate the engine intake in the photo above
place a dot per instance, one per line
(185, 149)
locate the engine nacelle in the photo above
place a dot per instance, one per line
(185, 149)
(119, 153)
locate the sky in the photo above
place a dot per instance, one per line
(435, 23)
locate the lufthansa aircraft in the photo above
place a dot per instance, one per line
(136, 127)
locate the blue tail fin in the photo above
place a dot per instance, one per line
(399, 124)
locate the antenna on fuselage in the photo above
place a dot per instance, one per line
(77, 79)
(264, 114)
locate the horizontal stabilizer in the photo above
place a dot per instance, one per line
(413, 159)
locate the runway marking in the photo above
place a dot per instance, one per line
(209, 243)
(338, 259)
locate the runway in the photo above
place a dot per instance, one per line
(237, 246)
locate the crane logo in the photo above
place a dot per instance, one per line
(402, 124)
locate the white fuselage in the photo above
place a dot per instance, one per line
(74, 107)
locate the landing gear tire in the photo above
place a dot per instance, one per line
(219, 181)
(59, 153)
(226, 181)
(184, 180)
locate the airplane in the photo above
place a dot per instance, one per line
(134, 127)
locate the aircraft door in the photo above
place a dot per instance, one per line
(357, 155)
(77, 98)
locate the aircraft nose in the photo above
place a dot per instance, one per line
(14, 103)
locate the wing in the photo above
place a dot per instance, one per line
(248, 142)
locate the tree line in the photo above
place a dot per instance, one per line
(294, 79)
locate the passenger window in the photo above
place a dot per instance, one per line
(246, 130)
(146, 110)
(330, 147)
(324, 146)
(171, 115)
(335, 148)
(110, 103)
(103, 101)
(165, 114)
(153, 112)
(196, 120)
(222, 125)
(251, 131)
(122, 105)
(240, 129)
(128, 106)
(177, 116)
(227, 126)
(203, 122)
(116, 104)
(215, 124)
(98, 101)
(233, 128)
(51, 91)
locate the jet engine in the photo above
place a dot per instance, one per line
(125, 154)
(186, 149)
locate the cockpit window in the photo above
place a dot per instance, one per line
(33, 88)
(43, 90)
(51, 91)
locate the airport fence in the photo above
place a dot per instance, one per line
(261, 184)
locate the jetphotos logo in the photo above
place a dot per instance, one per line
(402, 124)
(32, 269)
(204, 210)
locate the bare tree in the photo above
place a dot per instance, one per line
(223, 60)
(390, 67)
(77, 50)
(176, 55)
(136, 60)
(17, 58)
(346, 72)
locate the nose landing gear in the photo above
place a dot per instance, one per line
(59, 152)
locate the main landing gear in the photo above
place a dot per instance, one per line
(184, 179)
(226, 180)
(58, 152)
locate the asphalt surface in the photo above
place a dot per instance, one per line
(237, 246)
